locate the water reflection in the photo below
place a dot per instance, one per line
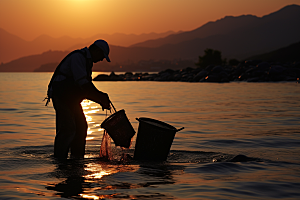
(96, 179)
(72, 173)
(91, 111)
(98, 170)
(82, 177)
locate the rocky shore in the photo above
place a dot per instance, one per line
(249, 71)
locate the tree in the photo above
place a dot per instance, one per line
(233, 62)
(211, 57)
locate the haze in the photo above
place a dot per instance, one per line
(29, 19)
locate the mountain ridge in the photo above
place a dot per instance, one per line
(47, 61)
(222, 26)
(13, 46)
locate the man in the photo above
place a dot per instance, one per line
(70, 84)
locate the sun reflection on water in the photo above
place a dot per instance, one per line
(86, 196)
(89, 109)
(97, 171)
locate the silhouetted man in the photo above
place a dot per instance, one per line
(69, 85)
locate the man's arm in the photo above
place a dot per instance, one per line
(92, 93)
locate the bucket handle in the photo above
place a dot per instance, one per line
(113, 107)
(179, 129)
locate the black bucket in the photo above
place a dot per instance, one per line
(154, 139)
(119, 128)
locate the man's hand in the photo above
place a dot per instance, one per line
(105, 102)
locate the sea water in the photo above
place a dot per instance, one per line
(240, 141)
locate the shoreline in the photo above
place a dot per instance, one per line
(249, 71)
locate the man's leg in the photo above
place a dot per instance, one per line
(65, 127)
(79, 141)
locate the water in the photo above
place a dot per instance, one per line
(222, 121)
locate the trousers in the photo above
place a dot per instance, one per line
(71, 128)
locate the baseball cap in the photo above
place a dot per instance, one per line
(102, 44)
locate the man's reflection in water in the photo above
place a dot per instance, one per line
(84, 179)
(73, 172)
(83, 176)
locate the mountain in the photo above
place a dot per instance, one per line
(13, 47)
(47, 61)
(30, 63)
(285, 19)
(219, 27)
(290, 53)
(236, 37)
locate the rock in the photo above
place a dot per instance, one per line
(276, 69)
(255, 79)
(252, 62)
(177, 77)
(101, 77)
(213, 78)
(264, 66)
(188, 69)
(224, 77)
(114, 77)
(217, 69)
(200, 75)
(276, 73)
(293, 72)
(197, 70)
(209, 68)
(148, 77)
(128, 74)
(165, 76)
(297, 65)
(111, 77)
(185, 78)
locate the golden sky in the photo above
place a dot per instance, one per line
(84, 18)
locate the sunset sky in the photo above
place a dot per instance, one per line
(84, 18)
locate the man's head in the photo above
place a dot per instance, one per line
(99, 50)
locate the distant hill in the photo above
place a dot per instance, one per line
(13, 47)
(223, 26)
(236, 37)
(290, 53)
(280, 21)
(30, 63)
(48, 61)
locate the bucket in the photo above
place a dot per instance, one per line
(119, 128)
(154, 139)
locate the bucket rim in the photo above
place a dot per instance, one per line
(166, 125)
(111, 116)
